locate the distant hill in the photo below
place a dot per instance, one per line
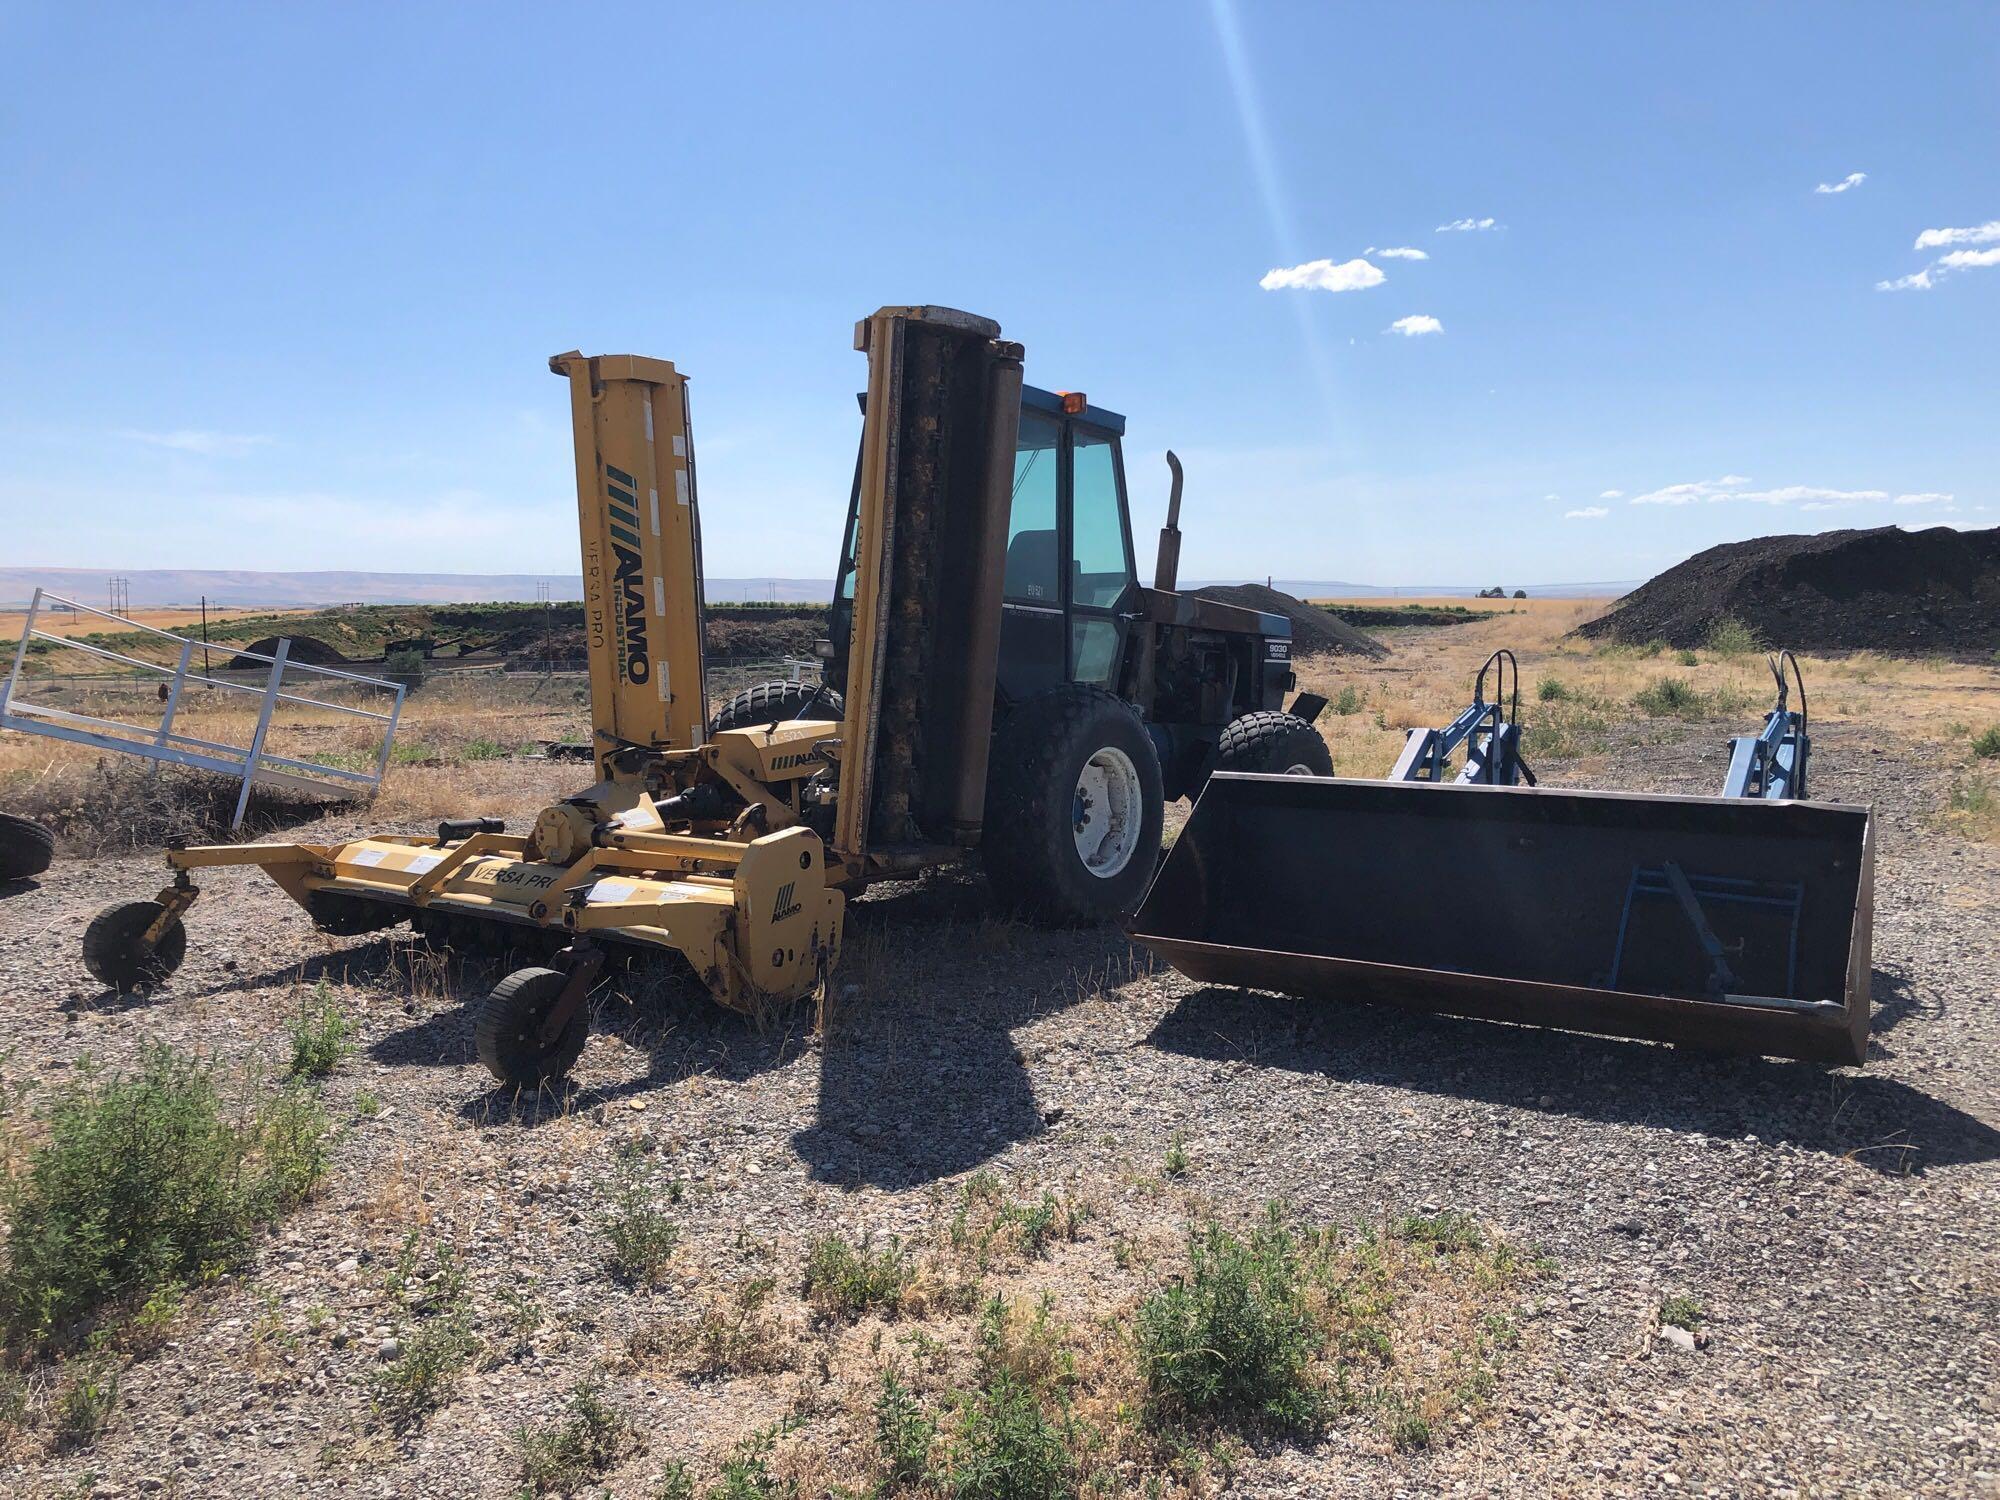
(155, 588)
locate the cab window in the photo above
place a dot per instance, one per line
(1097, 531)
(1033, 552)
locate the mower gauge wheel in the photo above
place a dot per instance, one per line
(508, 1032)
(115, 948)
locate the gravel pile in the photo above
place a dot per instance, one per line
(1314, 631)
(1883, 589)
(1835, 1228)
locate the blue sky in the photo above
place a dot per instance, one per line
(280, 281)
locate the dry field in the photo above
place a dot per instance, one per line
(65, 622)
(934, 1250)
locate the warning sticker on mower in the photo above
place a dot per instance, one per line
(423, 864)
(368, 857)
(605, 892)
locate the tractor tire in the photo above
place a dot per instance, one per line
(1073, 809)
(114, 948)
(26, 848)
(1277, 744)
(771, 702)
(505, 1033)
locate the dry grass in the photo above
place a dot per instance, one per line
(52, 621)
(460, 750)
(1035, 1366)
(1427, 677)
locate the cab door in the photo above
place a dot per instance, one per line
(1097, 541)
(1034, 644)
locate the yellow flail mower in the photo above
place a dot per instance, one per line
(997, 680)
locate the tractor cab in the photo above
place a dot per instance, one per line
(1069, 563)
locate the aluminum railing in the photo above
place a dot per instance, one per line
(251, 764)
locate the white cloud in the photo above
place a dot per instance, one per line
(1416, 324)
(1965, 260)
(1463, 226)
(1976, 234)
(1552, 497)
(1918, 281)
(1612, 495)
(1399, 252)
(1730, 489)
(1324, 276)
(191, 440)
(1586, 513)
(1851, 180)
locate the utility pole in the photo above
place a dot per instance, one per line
(204, 635)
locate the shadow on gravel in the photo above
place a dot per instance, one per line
(919, 1077)
(1896, 1000)
(1879, 1122)
(21, 887)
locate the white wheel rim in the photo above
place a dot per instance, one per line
(1300, 770)
(1105, 813)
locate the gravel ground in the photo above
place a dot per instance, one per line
(1838, 1227)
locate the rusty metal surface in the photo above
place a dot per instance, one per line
(1516, 904)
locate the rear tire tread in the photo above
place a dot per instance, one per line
(1270, 741)
(26, 848)
(774, 701)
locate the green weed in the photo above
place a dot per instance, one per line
(1235, 1340)
(638, 1234)
(1552, 690)
(1731, 637)
(1987, 745)
(143, 1181)
(1671, 698)
(322, 1034)
(587, 1441)
(844, 1281)
(1006, 1448)
(1681, 1311)
(904, 1433)
(1346, 701)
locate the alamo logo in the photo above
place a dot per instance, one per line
(785, 906)
(622, 512)
(787, 762)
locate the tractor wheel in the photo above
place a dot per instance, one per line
(1277, 744)
(506, 1033)
(25, 847)
(115, 950)
(1073, 808)
(769, 702)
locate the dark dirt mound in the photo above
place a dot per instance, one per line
(1884, 589)
(1313, 630)
(314, 653)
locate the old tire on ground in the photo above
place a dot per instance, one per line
(1277, 744)
(769, 702)
(26, 848)
(506, 1032)
(1073, 808)
(115, 951)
